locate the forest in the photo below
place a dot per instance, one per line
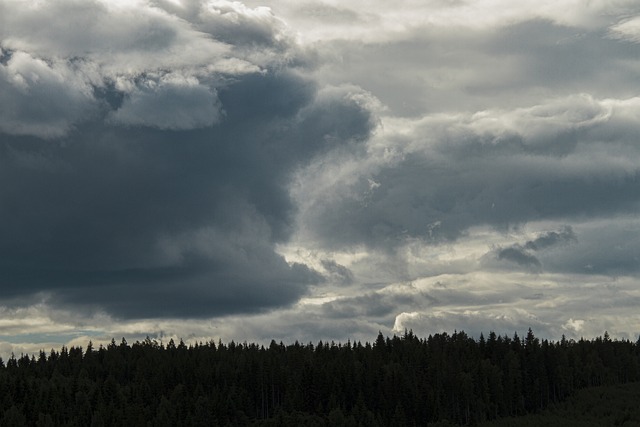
(443, 379)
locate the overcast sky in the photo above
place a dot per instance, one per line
(306, 170)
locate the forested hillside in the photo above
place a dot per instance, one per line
(603, 406)
(403, 380)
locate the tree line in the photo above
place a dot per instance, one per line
(442, 379)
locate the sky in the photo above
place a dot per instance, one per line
(317, 170)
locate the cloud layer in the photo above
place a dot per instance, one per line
(315, 170)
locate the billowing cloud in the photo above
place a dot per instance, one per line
(42, 98)
(169, 102)
(436, 178)
(156, 186)
(120, 37)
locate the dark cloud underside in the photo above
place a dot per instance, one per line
(162, 193)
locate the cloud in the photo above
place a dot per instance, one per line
(627, 29)
(236, 24)
(604, 246)
(518, 255)
(497, 168)
(441, 67)
(315, 170)
(149, 179)
(507, 304)
(511, 320)
(552, 238)
(380, 22)
(120, 37)
(169, 102)
(338, 273)
(40, 98)
(574, 325)
(525, 255)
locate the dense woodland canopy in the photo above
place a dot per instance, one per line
(404, 380)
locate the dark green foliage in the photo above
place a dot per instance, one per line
(404, 380)
(604, 406)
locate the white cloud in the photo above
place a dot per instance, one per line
(44, 99)
(574, 325)
(627, 29)
(127, 37)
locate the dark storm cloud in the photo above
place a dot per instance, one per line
(149, 192)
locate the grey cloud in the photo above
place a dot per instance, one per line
(626, 29)
(167, 198)
(123, 38)
(327, 13)
(379, 306)
(446, 177)
(372, 305)
(604, 248)
(527, 255)
(254, 34)
(552, 238)
(551, 304)
(41, 98)
(384, 305)
(338, 273)
(171, 102)
(203, 288)
(154, 154)
(108, 215)
(234, 23)
(518, 255)
(561, 57)
(166, 70)
(308, 326)
(435, 68)
(607, 246)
